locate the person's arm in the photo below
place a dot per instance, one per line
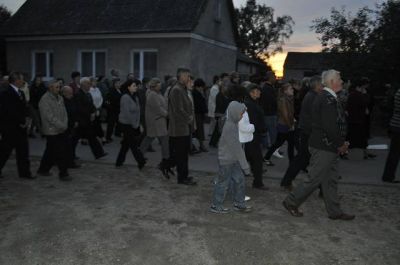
(329, 124)
(283, 111)
(244, 124)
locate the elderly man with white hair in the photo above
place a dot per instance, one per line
(86, 112)
(327, 141)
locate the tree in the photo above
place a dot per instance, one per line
(5, 14)
(259, 33)
(343, 32)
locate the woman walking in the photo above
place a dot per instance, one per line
(129, 117)
(156, 113)
(285, 123)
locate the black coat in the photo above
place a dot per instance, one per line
(35, 94)
(200, 104)
(72, 111)
(268, 100)
(13, 110)
(85, 108)
(113, 101)
(221, 103)
(256, 116)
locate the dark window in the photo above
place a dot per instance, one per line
(144, 64)
(43, 64)
(93, 63)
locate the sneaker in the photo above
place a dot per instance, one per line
(215, 209)
(243, 209)
(269, 163)
(247, 198)
(277, 154)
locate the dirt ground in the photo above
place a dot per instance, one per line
(123, 216)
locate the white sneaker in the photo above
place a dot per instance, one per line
(276, 154)
(247, 198)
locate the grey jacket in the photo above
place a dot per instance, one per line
(230, 149)
(129, 111)
(53, 114)
(180, 112)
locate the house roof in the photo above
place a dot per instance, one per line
(61, 17)
(305, 60)
(246, 59)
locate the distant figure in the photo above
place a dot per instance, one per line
(327, 141)
(200, 110)
(113, 109)
(75, 82)
(214, 90)
(98, 104)
(232, 163)
(129, 117)
(14, 120)
(156, 114)
(86, 117)
(54, 125)
(392, 160)
(36, 91)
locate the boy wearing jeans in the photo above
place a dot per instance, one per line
(232, 163)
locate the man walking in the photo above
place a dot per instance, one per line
(54, 127)
(327, 141)
(14, 115)
(180, 112)
(305, 123)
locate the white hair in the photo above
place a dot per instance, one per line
(328, 76)
(85, 80)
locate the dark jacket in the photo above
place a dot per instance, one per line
(326, 133)
(221, 103)
(256, 116)
(199, 101)
(395, 121)
(36, 93)
(13, 110)
(85, 108)
(72, 112)
(269, 100)
(357, 105)
(305, 120)
(180, 111)
(113, 101)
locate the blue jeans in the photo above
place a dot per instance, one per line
(271, 122)
(229, 176)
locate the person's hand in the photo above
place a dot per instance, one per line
(344, 148)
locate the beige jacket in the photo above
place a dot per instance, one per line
(156, 114)
(53, 114)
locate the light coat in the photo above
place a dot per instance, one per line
(156, 114)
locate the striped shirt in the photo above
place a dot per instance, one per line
(395, 121)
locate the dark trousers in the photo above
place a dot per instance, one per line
(112, 122)
(254, 155)
(280, 140)
(300, 162)
(18, 140)
(72, 140)
(56, 153)
(97, 127)
(179, 153)
(87, 132)
(393, 157)
(130, 140)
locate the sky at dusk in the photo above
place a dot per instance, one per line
(302, 11)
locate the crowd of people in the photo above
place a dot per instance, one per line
(320, 118)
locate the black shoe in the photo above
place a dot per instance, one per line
(141, 165)
(294, 211)
(65, 177)
(102, 155)
(203, 149)
(150, 149)
(75, 166)
(109, 141)
(260, 187)
(28, 177)
(391, 181)
(44, 174)
(343, 217)
(188, 182)
(268, 162)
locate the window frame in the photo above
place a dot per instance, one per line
(93, 51)
(46, 76)
(141, 62)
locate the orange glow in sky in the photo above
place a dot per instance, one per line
(276, 62)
